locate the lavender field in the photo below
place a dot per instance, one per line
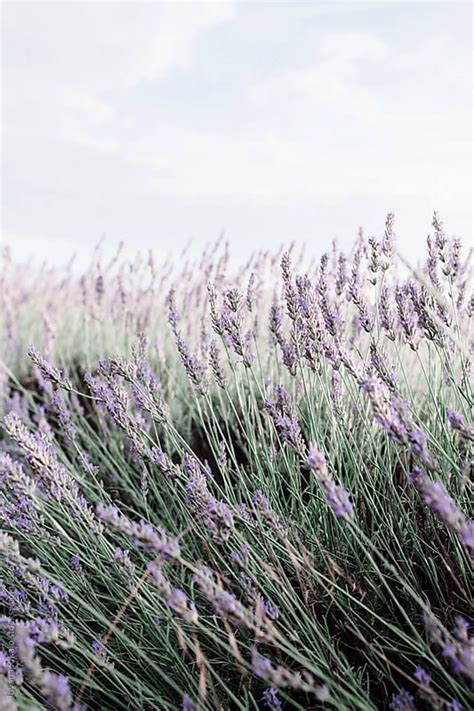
(230, 486)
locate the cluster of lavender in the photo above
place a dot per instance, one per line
(457, 647)
(243, 485)
(51, 475)
(282, 678)
(30, 601)
(283, 412)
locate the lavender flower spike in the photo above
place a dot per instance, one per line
(402, 701)
(435, 496)
(457, 648)
(142, 534)
(337, 497)
(458, 423)
(48, 371)
(270, 699)
(175, 598)
(187, 704)
(281, 677)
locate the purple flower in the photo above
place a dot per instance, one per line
(418, 440)
(275, 322)
(337, 497)
(262, 504)
(316, 460)
(173, 314)
(422, 676)
(270, 699)
(283, 413)
(142, 534)
(48, 371)
(197, 493)
(5, 663)
(338, 500)
(55, 688)
(290, 356)
(217, 515)
(175, 598)
(163, 462)
(386, 313)
(457, 648)
(407, 316)
(226, 605)
(187, 704)
(461, 629)
(27, 636)
(262, 666)
(270, 609)
(252, 295)
(194, 368)
(218, 519)
(216, 366)
(242, 557)
(260, 501)
(52, 474)
(281, 677)
(68, 429)
(388, 241)
(100, 652)
(436, 497)
(403, 701)
(18, 504)
(457, 422)
(75, 562)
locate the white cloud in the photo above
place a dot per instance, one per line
(345, 48)
(141, 118)
(336, 76)
(171, 41)
(106, 46)
(66, 63)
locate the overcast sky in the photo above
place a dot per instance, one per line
(154, 123)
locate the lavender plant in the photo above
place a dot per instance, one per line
(239, 487)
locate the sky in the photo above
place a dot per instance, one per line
(156, 123)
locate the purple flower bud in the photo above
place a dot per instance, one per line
(458, 423)
(242, 557)
(275, 322)
(403, 701)
(218, 518)
(260, 501)
(100, 652)
(195, 370)
(422, 676)
(226, 605)
(270, 609)
(270, 699)
(187, 704)
(142, 534)
(75, 562)
(436, 497)
(281, 677)
(457, 648)
(48, 371)
(175, 598)
(55, 689)
(337, 497)
(284, 415)
(217, 370)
